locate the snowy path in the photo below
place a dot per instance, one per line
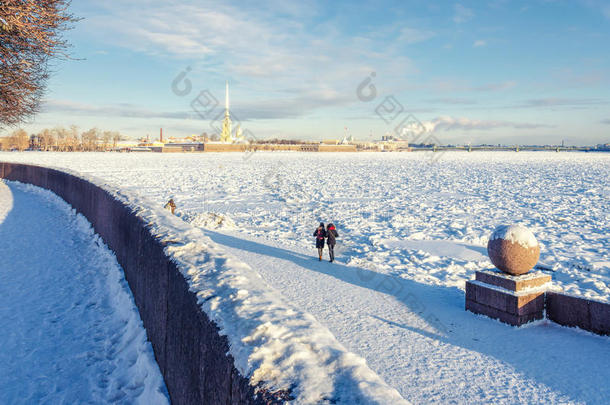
(70, 330)
(422, 342)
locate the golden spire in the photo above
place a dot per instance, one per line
(226, 136)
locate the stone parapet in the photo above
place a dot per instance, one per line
(517, 300)
(512, 307)
(578, 312)
(513, 283)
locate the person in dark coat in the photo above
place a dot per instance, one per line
(320, 234)
(331, 235)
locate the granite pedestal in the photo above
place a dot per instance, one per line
(515, 300)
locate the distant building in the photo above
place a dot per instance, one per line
(388, 138)
(603, 146)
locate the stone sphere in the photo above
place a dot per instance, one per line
(513, 249)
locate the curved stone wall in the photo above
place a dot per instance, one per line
(189, 349)
(579, 312)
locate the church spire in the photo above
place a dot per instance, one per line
(226, 136)
(227, 96)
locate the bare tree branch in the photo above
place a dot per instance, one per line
(30, 36)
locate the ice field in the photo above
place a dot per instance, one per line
(411, 231)
(399, 213)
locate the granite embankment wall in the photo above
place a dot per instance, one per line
(191, 353)
(583, 313)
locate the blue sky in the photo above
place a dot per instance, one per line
(482, 72)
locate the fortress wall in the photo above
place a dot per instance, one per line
(337, 148)
(220, 147)
(224, 147)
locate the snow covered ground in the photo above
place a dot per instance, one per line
(397, 212)
(411, 233)
(70, 330)
(420, 340)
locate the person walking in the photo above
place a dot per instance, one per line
(320, 234)
(171, 205)
(331, 235)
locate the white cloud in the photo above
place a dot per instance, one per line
(298, 104)
(182, 29)
(462, 14)
(453, 100)
(446, 123)
(248, 44)
(599, 5)
(499, 86)
(479, 43)
(455, 85)
(563, 102)
(109, 111)
(412, 35)
(421, 131)
(177, 43)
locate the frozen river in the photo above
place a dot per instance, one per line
(398, 213)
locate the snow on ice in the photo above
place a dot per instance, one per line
(563, 198)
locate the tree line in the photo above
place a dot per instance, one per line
(62, 139)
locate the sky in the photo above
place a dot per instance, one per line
(526, 72)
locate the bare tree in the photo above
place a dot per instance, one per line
(42, 139)
(116, 138)
(33, 142)
(72, 139)
(62, 139)
(46, 139)
(60, 134)
(89, 139)
(30, 36)
(19, 140)
(106, 137)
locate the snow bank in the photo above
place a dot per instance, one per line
(272, 342)
(515, 234)
(209, 220)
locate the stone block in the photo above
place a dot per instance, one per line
(600, 317)
(511, 319)
(567, 310)
(512, 283)
(505, 300)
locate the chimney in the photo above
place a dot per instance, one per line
(161, 136)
